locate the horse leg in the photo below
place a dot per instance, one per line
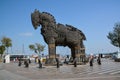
(73, 53)
(52, 53)
(77, 53)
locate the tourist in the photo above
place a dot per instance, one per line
(91, 60)
(40, 64)
(67, 60)
(99, 60)
(19, 63)
(57, 60)
(75, 62)
(35, 60)
(26, 64)
(29, 61)
(14, 60)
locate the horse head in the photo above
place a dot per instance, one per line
(35, 18)
(44, 19)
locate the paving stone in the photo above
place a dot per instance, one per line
(108, 70)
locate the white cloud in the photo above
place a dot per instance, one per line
(26, 34)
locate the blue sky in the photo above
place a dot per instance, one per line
(94, 17)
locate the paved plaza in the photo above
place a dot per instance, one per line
(108, 70)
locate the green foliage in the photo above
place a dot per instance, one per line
(32, 47)
(38, 48)
(7, 42)
(115, 35)
(2, 49)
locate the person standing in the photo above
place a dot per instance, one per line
(99, 60)
(67, 60)
(29, 61)
(26, 64)
(19, 63)
(40, 64)
(75, 62)
(57, 60)
(91, 61)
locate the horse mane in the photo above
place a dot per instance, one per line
(70, 27)
(50, 17)
(52, 20)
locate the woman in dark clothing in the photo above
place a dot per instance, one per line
(91, 61)
(40, 64)
(26, 64)
(57, 60)
(19, 63)
(99, 60)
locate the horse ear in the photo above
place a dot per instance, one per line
(36, 10)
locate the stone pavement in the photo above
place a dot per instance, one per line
(108, 70)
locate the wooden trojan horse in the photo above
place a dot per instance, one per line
(59, 35)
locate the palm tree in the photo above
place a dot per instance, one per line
(2, 49)
(7, 42)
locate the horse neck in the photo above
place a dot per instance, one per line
(48, 25)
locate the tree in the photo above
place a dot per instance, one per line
(2, 49)
(32, 47)
(38, 48)
(114, 36)
(7, 42)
